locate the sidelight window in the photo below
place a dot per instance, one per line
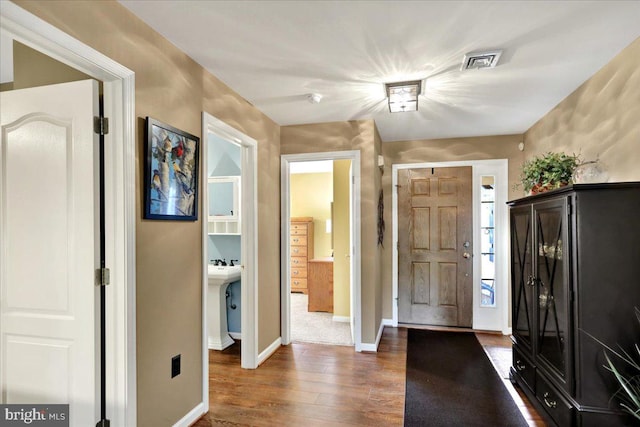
(487, 239)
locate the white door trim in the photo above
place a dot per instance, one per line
(285, 286)
(494, 318)
(248, 244)
(119, 95)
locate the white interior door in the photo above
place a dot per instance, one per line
(49, 214)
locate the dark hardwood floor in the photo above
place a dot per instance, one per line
(318, 385)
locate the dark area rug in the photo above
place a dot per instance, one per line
(451, 382)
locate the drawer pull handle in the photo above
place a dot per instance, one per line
(550, 403)
(295, 272)
(295, 240)
(520, 366)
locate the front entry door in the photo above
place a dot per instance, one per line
(434, 246)
(50, 248)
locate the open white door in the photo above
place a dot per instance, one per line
(49, 234)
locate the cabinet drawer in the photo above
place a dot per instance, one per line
(524, 368)
(298, 230)
(552, 401)
(297, 272)
(297, 284)
(298, 240)
(299, 251)
(298, 261)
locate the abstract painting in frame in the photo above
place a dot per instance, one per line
(170, 173)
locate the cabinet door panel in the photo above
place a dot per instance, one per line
(552, 274)
(522, 275)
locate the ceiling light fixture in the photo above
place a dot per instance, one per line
(478, 60)
(314, 98)
(403, 96)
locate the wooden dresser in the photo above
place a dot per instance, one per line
(320, 282)
(301, 244)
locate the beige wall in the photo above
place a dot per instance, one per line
(174, 89)
(311, 195)
(341, 239)
(600, 120)
(32, 68)
(440, 150)
(345, 136)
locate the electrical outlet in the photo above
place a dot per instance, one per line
(175, 366)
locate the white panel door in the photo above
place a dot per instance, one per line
(49, 243)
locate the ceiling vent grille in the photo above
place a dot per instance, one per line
(478, 60)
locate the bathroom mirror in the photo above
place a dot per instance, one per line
(224, 197)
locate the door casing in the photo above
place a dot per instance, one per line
(285, 214)
(120, 187)
(484, 318)
(248, 245)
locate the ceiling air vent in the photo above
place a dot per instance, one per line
(478, 60)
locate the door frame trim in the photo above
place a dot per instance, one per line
(248, 245)
(120, 188)
(499, 168)
(285, 254)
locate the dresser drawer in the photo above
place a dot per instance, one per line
(298, 240)
(553, 402)
(299, 272)
(299, 251)
(524, 368)
(298, 230)
(298, 284)
(298, 261)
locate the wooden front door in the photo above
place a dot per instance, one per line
(435, 246)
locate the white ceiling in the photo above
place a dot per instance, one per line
(274, 53)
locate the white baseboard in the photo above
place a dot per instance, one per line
(192, 416)
(387, 322)
(344, 319)
(373, 347)
(269, 350)
(236, 335)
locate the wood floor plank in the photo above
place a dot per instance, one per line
(315, 385)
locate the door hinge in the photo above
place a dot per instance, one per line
(101, 125)
(103, 423)
(102, 277)
(569, 209)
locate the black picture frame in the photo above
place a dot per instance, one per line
(170, 173)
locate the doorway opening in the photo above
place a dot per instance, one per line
(229, 233)
(490, 290)
(321, 247)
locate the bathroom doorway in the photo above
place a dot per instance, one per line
(321, 248)
(229, 160)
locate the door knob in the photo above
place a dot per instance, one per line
(466, 255)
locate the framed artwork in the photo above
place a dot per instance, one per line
(170, 173)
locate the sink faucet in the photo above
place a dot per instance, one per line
(223, 262)
(231, 262)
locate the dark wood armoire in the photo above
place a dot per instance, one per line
(575, 280)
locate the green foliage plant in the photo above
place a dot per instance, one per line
(625, 367)
(548, 171)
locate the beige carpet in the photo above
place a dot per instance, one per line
(316, 327)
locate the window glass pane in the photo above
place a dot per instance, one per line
(488, 293)
(486, 214)
(488, 266)
(486, 240)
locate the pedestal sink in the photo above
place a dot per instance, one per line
(219, 278)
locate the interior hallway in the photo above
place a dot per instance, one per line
(319, 385)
